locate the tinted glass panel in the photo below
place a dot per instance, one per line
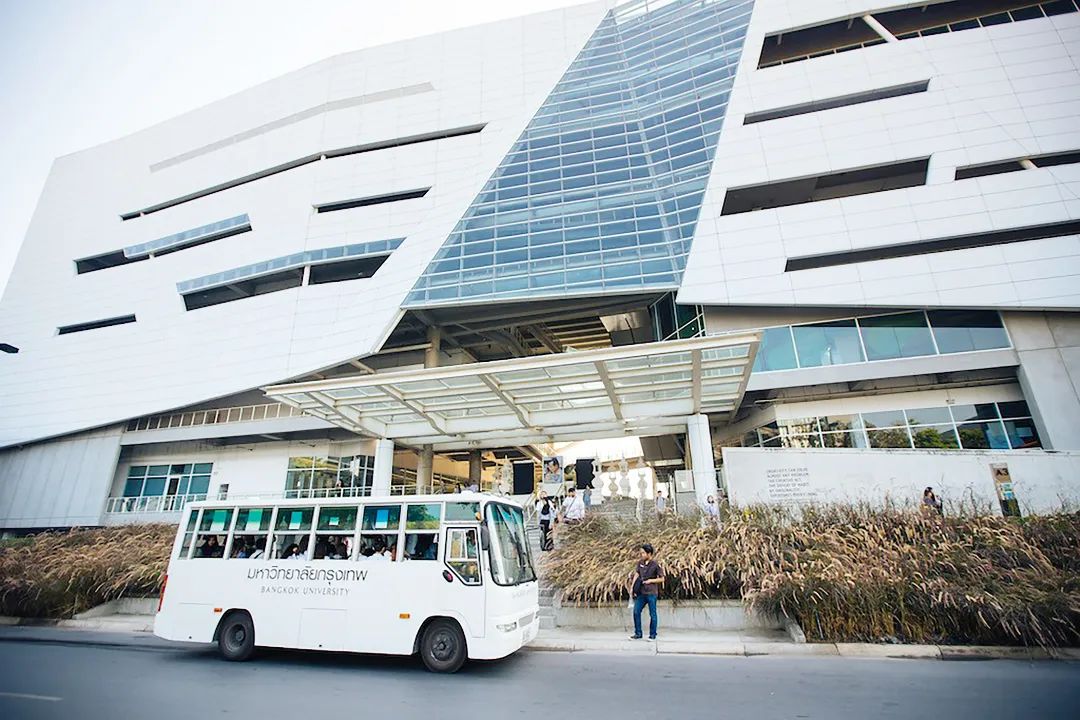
(970, 413)
(1014, 409)
(290, 518)
(829, 343)
(966, 330)
(935, 436)
(927, 416)
(253, 519)
(461, 512)
(1022, 434)
(337, 518)
(382, 517)
(422, 517)
(215, 520)
(983, 436)
(890, 438)
(896, 336)
(776, 351)
(884, 419)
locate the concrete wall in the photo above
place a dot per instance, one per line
(1048, 345)
(1043, 482)
(714, 615)
(64, 482)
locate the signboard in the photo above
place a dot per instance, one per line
(1004, 486)
(553, 469)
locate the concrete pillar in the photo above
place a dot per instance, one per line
(703, 469)
(424, 466)
(1048, 345)
(434, 348)
(475, 467)
(384, 466)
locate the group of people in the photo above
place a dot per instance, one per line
(549, 511)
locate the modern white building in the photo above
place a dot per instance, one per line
(848, 223)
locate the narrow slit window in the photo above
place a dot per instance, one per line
(837, 102)
(926, 247)
(372, 200)
(863, 181)
(104, 261)
(1015, 165)
(95, 324)
(315, 157)
(907, 23)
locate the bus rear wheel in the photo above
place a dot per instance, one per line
(236, 637)
(442, 648)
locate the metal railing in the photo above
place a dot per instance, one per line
(151, 503)
(214, 416)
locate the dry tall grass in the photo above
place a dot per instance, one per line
(60, 574)
(853, 574)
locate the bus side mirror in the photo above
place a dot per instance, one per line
(485, 540)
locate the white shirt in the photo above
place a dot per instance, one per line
(573, 508)
(711, 510)
(661, 503)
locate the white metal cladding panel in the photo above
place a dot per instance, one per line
(58, 483)
(996, 93)
(496, 74)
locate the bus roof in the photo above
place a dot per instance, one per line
(255, 501)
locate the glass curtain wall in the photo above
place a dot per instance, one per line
(879, 337)
(602, 190)
(330, 476)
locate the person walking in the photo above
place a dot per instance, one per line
(573, 508)
(546, 511)
(661, 503)
(645, 582)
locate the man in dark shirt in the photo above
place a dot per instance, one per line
(645, 580)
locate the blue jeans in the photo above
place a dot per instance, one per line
(639, 604)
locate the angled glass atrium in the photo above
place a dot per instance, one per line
(602, 191)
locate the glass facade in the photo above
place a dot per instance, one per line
(329, 476)
(201, 234)
(603, 189)
(985, 426)
(672, 321)
(879, 337)
(173, 479)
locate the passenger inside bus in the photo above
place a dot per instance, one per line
(332, 547)
(211, 548)
(293, 553)
(378, 547)
(421, 546)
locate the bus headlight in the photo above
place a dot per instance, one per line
(507, 627)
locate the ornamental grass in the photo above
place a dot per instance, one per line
(849, 573)
(58, 574)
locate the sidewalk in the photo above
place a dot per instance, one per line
(751, 644)
(106, 623)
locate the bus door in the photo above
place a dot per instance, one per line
(462, 573)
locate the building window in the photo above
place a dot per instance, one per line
(879, 337)
(163, 488)
(982, 426)
(672, 321)
(330, 476)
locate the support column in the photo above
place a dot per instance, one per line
(475, 468)
(434, 348)
(384, 466)
(424, 467)
(703, 468)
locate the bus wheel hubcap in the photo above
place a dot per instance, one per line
(238, 636)
(442, 646)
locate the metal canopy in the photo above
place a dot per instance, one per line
(647, 389)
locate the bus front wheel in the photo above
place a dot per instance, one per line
(442, 647)
(236, 637)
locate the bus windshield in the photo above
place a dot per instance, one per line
(511, 563)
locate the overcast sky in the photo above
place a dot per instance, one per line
(77, 73)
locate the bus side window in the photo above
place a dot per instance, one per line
(189, 533)
(422, 545)
(213, 531)
(463, 554)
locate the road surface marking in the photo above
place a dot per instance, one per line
(27, 696)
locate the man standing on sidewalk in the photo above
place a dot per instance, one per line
(645, 580)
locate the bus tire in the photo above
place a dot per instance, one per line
(442, 647)
(236, 636)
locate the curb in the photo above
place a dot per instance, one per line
(845, 650)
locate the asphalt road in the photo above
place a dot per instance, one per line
(47, 673)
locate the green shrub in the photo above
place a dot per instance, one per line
(853, 574)
(60, 574)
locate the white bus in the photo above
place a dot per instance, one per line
(446, 576)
